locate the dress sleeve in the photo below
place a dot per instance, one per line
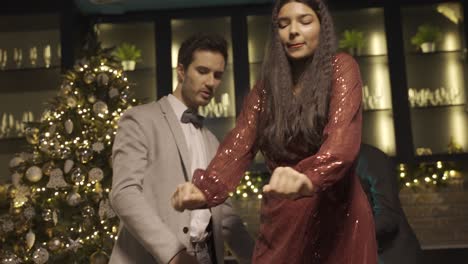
(234, 154)
(342, 133)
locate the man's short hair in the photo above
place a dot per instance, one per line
(201, 41)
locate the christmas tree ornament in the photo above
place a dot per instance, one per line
(29, 213)
(48, 167)
(73, 199)
(16, 179)
(105, 210)
(98, 147)
(65, 89)
(89, 78)
(68, 165)
(54, 244)
(99, 257)
(68, 126)
(40, 256)
(74, 245)
(71, 102)
(34, 174)
(113, 92)
(95, 175)
(100, 108)
(91, 99)
(32, 135)
(6, 225)
(55, 217)
(87, 211)
(47, 215)
(56, 179)
(84, 154)
(103, 79)
(21, 196)
(30, 239)
(16, 161)
(77, 175)
(27, 156)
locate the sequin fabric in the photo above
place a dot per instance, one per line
(335, 225)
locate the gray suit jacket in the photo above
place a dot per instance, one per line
(150, 158)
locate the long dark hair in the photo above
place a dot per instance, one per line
(291, 127)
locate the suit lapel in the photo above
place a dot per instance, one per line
(178, 134)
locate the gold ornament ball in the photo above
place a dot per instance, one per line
(34, 174)
(99, 257)
(32, 135)
(48, 167)
(89, 78)
(100, 107)
(73, 199)
(55, 244)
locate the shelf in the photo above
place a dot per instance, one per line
(369, 56)
(141, 70)
(14, 81)
(432, 107)
(437, 52)
(376, 110)
(12, 145)
(442, 157)
(30, 69)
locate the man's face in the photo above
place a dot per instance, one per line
(201, 78)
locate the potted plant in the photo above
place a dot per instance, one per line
(129, 54)
(352, 41)
(426, 37)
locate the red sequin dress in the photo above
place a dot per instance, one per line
(335, 225)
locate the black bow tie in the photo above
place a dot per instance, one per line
(191, 116)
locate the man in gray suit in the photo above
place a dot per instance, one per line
(157, 147)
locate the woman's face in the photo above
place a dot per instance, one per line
(299, 30)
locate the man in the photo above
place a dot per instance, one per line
(396, 240)
(157, 147)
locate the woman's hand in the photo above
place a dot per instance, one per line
(288, 183)
(188, 197)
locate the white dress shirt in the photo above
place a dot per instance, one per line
(197, 149)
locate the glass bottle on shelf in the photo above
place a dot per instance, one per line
(361, 33)
(435, 69)
(25, 83)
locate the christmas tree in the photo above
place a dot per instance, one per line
(59, 210)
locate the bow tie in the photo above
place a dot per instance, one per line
(191, 116)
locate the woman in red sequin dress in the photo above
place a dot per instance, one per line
(305, 117)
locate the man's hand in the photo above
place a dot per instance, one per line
(183, 258)
(288, 183)
(188, 197)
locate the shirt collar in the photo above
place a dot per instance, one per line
(177, 106)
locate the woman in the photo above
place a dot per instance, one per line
(305, 117)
